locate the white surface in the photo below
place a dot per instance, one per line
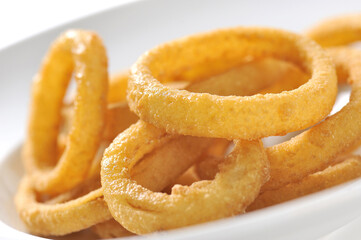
(21, 18)
(127, 33)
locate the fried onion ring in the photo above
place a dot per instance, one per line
(348, 169)
(231, 117)
(337, 31)
(141, 211)
(318, 147)
(84, 53)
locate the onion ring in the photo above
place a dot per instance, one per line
(348, 169)
(337, 31)
(141, 211)
(308, 152)
(49, 219)
(84, 52)
(112, 229)
(231, 117)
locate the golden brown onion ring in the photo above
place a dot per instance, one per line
(141, 211)
(112, 229)
(231, 117)
(318, 147)
(348, 169)
(337, 31)
(84, 53)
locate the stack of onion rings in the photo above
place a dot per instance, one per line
(175, 166)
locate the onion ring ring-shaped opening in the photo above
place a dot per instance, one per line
(84, 53)
(141, 211)
(337, 31)
(231, 117)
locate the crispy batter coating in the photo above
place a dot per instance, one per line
(231, 117)
(82, 52)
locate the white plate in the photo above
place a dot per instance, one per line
(129, 30)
